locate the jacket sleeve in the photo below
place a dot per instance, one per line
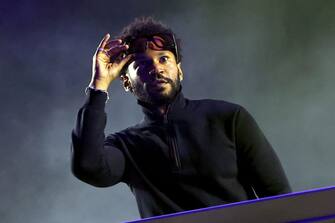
(95, 160)
(257, 159)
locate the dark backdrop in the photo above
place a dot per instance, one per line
(276, 58)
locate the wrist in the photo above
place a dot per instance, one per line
(99, 85)
(89, 89)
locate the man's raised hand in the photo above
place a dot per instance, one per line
(104, 71)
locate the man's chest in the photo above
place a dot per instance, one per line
(182, 148)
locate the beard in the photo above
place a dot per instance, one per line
(144, 93)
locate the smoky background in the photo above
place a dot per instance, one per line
(276, 58)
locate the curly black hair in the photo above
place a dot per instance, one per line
(146, 26)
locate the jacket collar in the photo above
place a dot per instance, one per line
(151, 113)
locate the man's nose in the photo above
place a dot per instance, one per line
(155, 72)
(156, 69)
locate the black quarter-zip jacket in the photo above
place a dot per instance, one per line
(200, 153)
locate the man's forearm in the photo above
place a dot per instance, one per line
(88, 137)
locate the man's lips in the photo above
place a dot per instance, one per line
(158, 82)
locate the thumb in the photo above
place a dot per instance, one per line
(125, 62)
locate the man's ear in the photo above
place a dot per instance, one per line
(126, 83)
(181, 75)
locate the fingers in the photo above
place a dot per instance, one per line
(116, 50)
(125, 60)
(106, 44)
(124, 63)
(103, 42)
(110, 48)
(101, 52)
(112, 43)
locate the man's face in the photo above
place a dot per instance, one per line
(154, 76)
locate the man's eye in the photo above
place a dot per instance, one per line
(163, 59)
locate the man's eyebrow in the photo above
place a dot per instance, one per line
(163, 53)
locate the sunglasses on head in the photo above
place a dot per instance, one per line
(159, 41)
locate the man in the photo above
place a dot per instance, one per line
(185, 154)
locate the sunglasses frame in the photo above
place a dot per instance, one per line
(173, 46)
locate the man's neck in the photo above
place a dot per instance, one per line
(160, 108)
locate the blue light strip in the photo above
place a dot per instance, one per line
(300, 193)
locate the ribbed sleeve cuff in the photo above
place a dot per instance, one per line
(96, 99)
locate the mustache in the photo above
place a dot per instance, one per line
(156, 77)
